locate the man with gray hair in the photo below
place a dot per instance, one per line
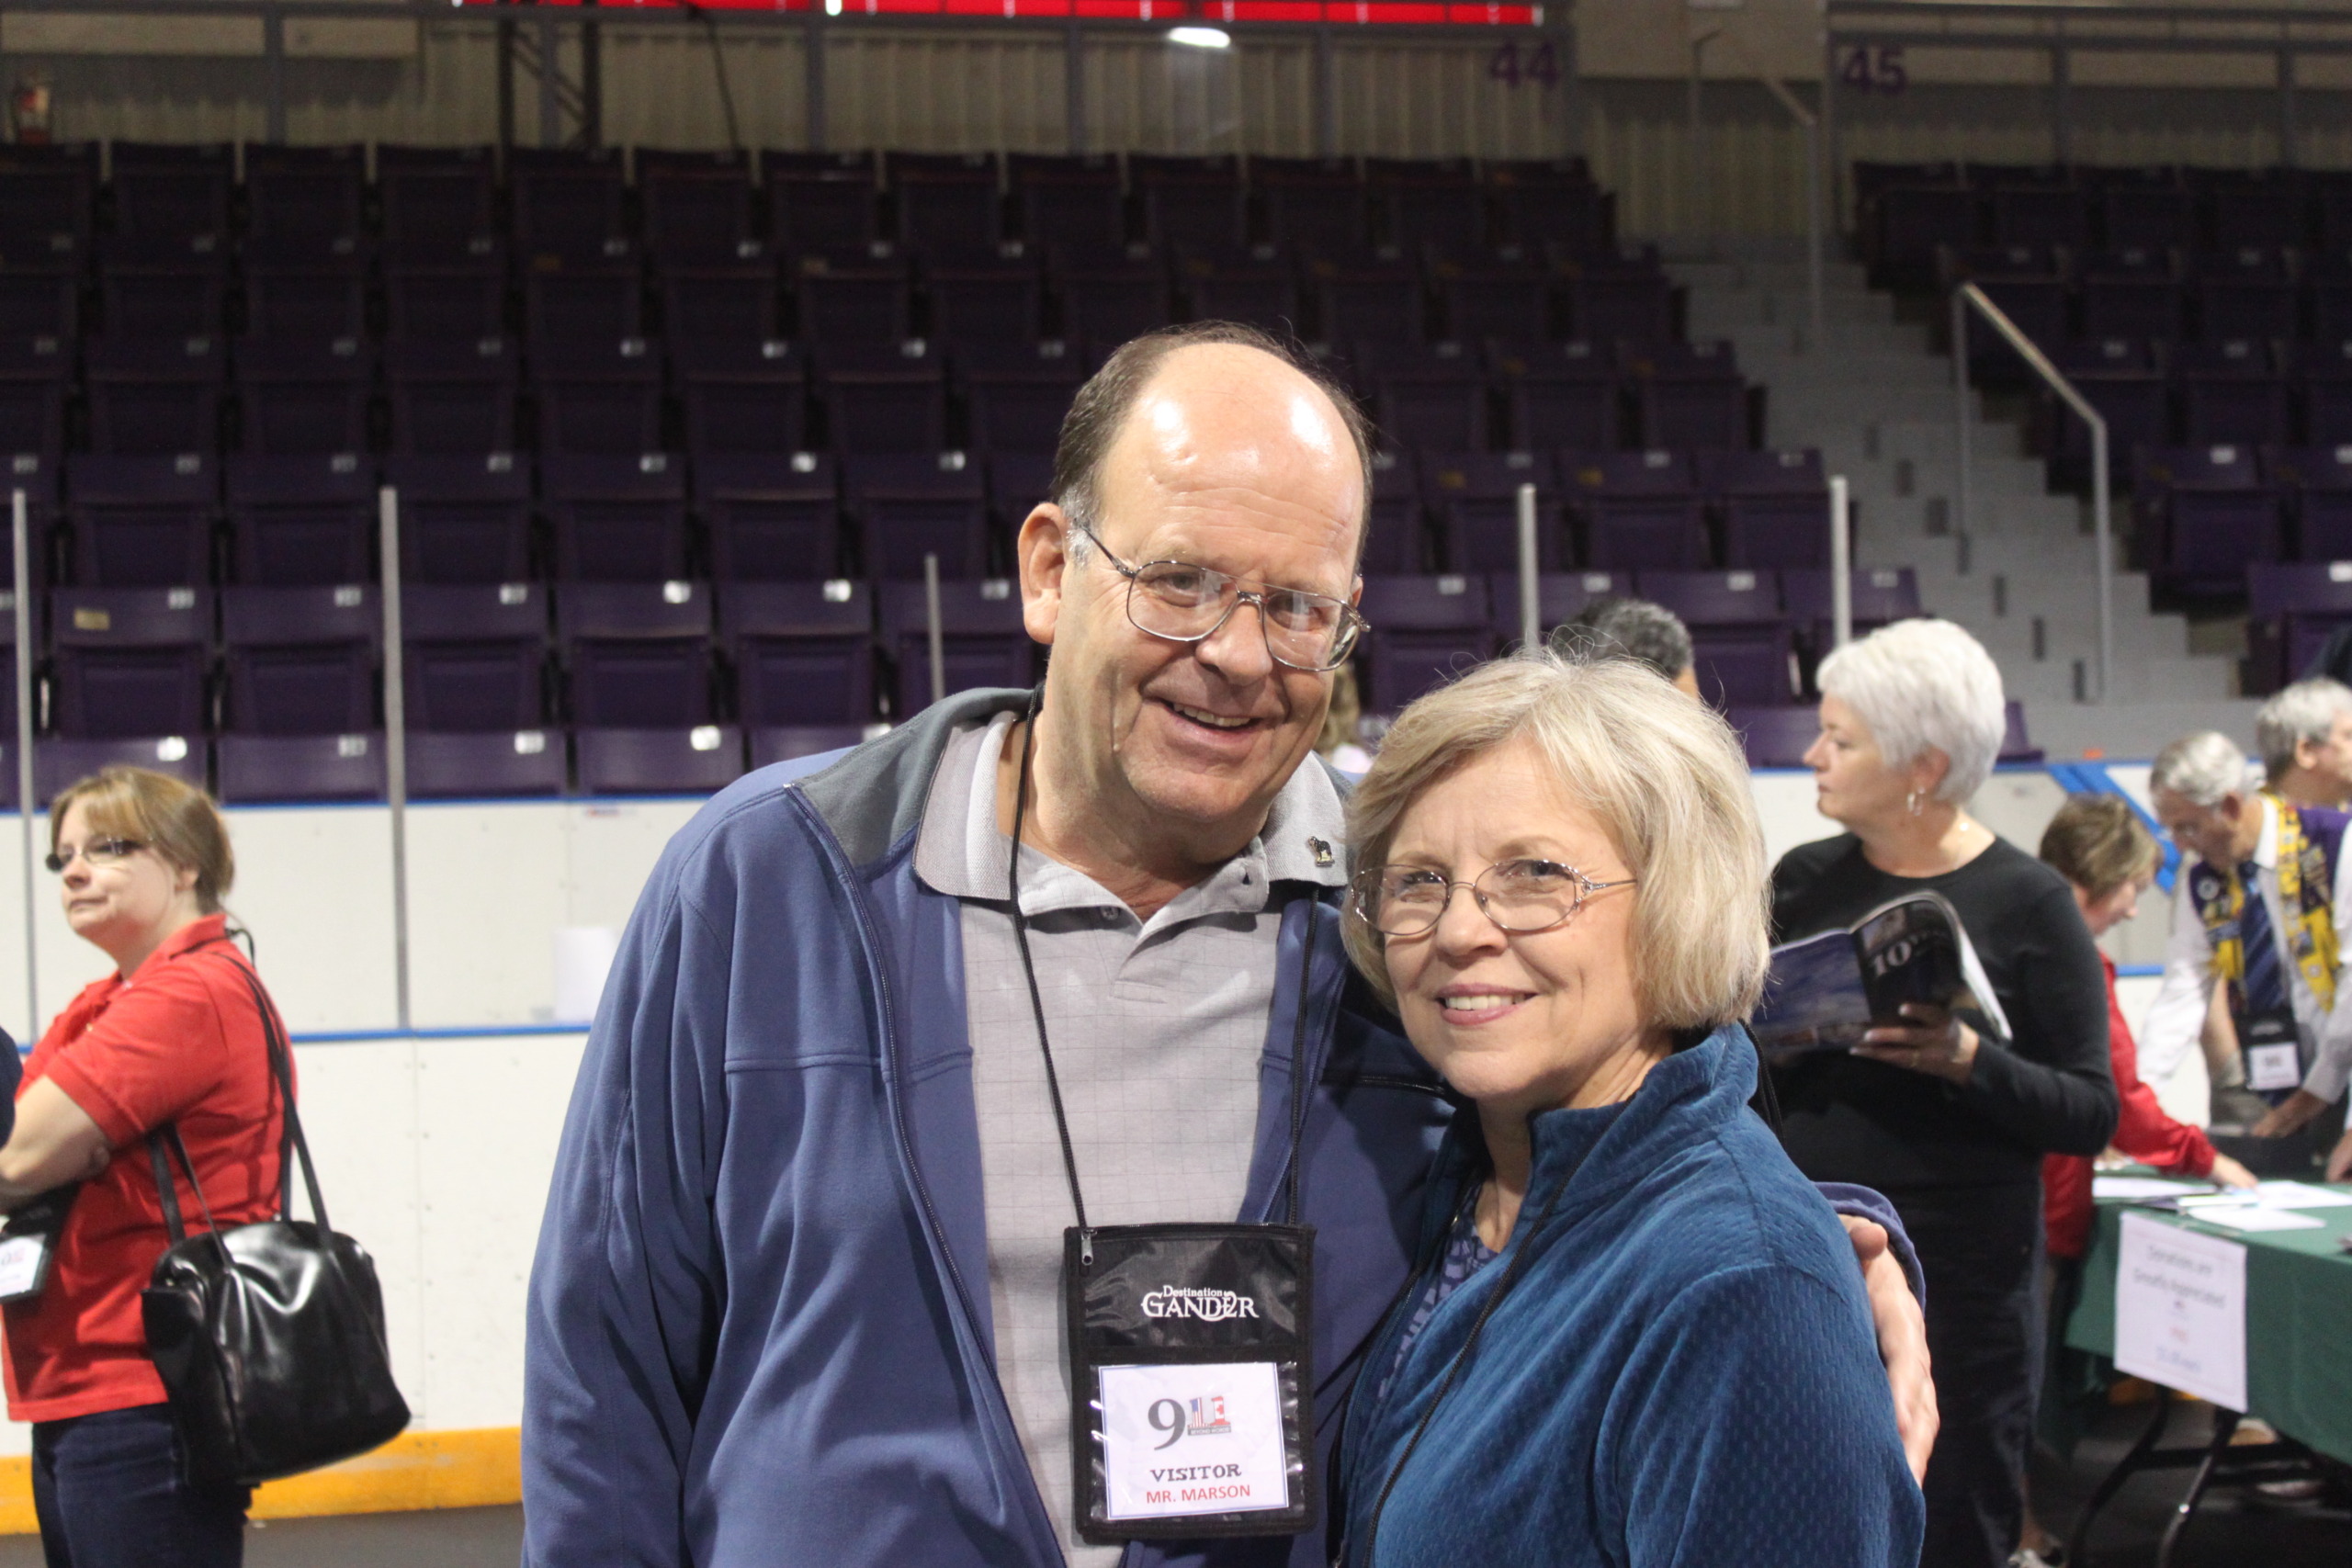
(2305, 734)
(2256, 914)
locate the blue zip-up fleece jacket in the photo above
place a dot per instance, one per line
(1684, 1371)
(759, 1328)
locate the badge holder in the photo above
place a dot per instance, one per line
(29, 1242)
(1191, 1345)
(2271, 1048)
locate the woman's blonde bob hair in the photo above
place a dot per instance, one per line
(1662, 775)
(175, 818)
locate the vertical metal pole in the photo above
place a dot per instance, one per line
(591, 81)
(2102, 526)
(2287, 134)
(1960, 387)
(931, 624)
(1563, 41)
(1812, 221)
(1327, 93)
(812, 77)
(273, 51)
(22, 556)
(1074, 87)
(2062, 104)
(550, 83)
(505, 89)
(1701, 197)
(388, 514)
(1530, 599)
(1841, 562)
(1829, 128)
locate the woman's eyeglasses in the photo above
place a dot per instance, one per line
(98, 851)
(1520, 896)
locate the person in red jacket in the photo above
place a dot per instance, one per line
(2107, 854)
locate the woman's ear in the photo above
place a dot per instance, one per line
(1929, 771)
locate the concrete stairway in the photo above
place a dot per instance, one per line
(2022, 575)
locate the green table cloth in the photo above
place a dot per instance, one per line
(2298, 1319)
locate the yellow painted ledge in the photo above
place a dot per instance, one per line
(416, 1469)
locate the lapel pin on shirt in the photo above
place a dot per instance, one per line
(1322, 851)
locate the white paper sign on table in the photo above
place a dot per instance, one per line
(2115, 1188)
(2255, 1217)
(2298, 1195)
(1204, 1439)
(2180, 1310)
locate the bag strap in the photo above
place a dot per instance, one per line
(172, 1222)
(282, 1068)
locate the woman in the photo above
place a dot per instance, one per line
(172, 1036)
(1637, 1335)
(1949, 1116)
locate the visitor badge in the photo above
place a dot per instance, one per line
(1192, 1439)
(24, 1263)
(2270, 1068)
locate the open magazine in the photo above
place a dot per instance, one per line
(1825, 991)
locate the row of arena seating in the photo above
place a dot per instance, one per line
(589, 394)
(285, 522)
(1907, 213)
(702, 207)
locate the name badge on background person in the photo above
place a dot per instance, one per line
(29, 1241)
(2271, 1047)
(1190, 1356)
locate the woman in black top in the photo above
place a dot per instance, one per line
(1946, 1116)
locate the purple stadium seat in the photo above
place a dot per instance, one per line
(2229, 393)
(261, 768)
(1069, 200)
(1015, 394)
(2291, 610)
(1494, 297)
(1257, 287)
(300, 660)
(2116, 377)
(476, 657)
(983, 641)
(1474, 497)
(1315, 204)
(743, 396)
(617, 520)
(852, 297)
(906, 505)
(1741, 646)
(150, 396)
(1774, 506)
(461, 301)
(1432, 399)
(2030, 285)
(1691, 395)
(141, 522)
(1562, 395)
(1199, 208)
(33, 373)
(58, 762)
(803, 652)
(1637, 511)
(1396, 545)
(2211, 515)
(1776, 737)
(597, 395)
(49, 206)
(2257, 207)
(2131, 292)
(151, 289)
(730, 302)
(702, 759)
(2145, 209)
(1017, 482)
(455, 397)
(1424, 632)
(1620, 295)
(815, 209)
(948, 208)
(785, 745)
(1109, 295)
(884, 396)
(487, 765)
(304, 398)
(1575, 220)
(1910, 224)
(2245, 292)
(2318, 484)
(697, 207)
(304, 197)
(976, 298)
(772, 518)
(1375, 299)
(1560, 597)
(39, 299)
(171, 194)
(463, 520)
(2328, 289)
(2326, 392)
(304, 303)
(594, 302)
(301, 521)
(570, 204)
(639, 653)
(436, 202)
(1881, 595)
(2039, 214)
(1447, 215)
(129, 662)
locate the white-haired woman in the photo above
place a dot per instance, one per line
(1637, 1334)
(1946, 1117)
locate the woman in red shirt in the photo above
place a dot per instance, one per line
(172, 1036)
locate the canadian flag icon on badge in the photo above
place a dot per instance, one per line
(1209, 1419)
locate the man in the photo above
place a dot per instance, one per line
(1636, 629)
(2255, 913)
(2305, 734)
(798, 1294)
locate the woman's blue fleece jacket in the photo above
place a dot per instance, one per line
(1683, 1373)
(758, 1330)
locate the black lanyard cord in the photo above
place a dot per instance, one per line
(1298, 1064)
(1029, 970)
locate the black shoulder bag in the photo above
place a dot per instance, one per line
(269, 1337)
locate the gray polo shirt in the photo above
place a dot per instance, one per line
(1157, 1027)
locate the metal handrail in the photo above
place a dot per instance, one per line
(1967, 298)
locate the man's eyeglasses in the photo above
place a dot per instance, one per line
(1520, 896)
(98, 851)
(1185, 602)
